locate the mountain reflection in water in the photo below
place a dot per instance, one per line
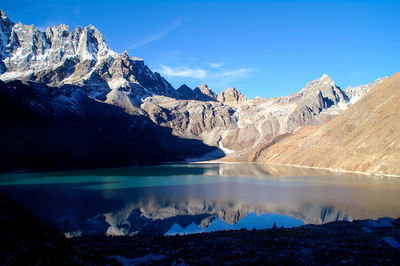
(191, 198)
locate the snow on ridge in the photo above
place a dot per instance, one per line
(59, 55)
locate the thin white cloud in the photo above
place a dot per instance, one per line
(216, 65)
(200, 73)
(186, 72)
(158, 35)
(234, 73)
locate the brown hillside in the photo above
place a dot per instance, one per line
(364, 138)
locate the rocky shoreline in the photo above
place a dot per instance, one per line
(26, 240)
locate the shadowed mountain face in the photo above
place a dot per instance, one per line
(48, 127)
(80, 59)
(365, 137)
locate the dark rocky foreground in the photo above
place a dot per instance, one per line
(26, 240)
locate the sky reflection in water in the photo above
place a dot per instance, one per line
(189, 198)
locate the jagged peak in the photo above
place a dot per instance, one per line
(62, 27)
(31, 27)
(124, 54)
(203, 86)
(90, 26)
(231, 89)
(78, 45)
(135, 58)
(316, 84)
(231, 96)
(4, 16)
(325, 76)
(373, 83)
(184, 86)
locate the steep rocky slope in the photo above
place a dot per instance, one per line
(81, 60)
(81, 57)
(364, 138)
(47, 127)
(355, 93)
(202, 93)
(237, 125)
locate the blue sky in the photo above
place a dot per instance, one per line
(263, 48)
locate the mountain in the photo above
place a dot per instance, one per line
(46, 127)
(355, 93)
(202, 93)
(205, 93)
(236, 125)
(56, 65)
(231, 96)
(364, 138)
(60, 56)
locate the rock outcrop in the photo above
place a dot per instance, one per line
(231, 96)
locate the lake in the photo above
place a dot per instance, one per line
(193, 198)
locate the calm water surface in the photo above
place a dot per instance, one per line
(191, 198)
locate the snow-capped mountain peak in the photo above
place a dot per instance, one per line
(78, 57)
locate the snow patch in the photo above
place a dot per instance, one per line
(117, 83)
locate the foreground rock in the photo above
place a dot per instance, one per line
(25, 240)
(330, 244)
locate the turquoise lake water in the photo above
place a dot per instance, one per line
(193, 198)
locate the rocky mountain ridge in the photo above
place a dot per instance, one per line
(235, 124)
(45, 127)
(81, 60)
(81, 57)
(364, 138)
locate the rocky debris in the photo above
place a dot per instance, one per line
(231, 96)
(330, 244)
